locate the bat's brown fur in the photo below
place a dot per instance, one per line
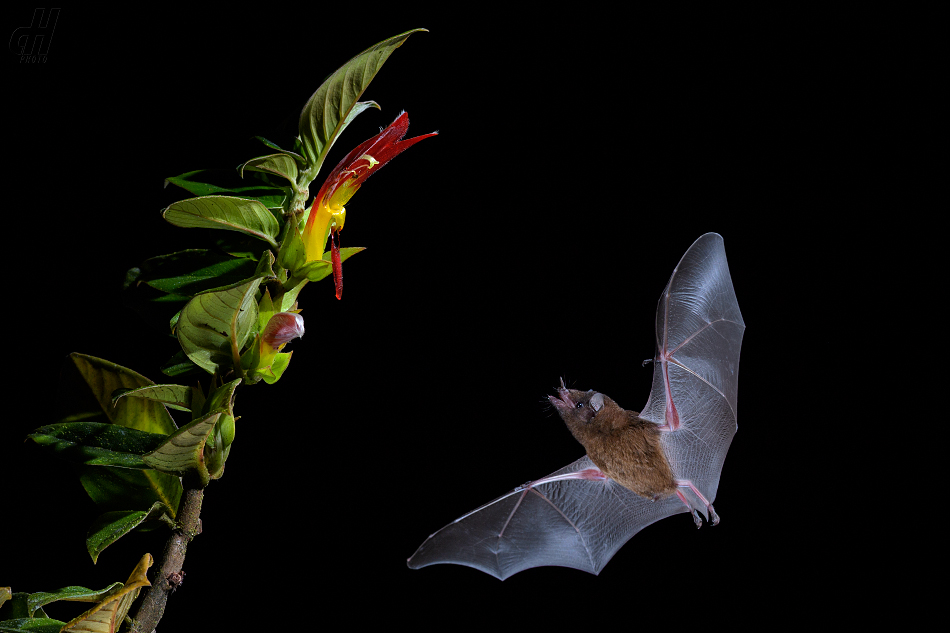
(626, 448)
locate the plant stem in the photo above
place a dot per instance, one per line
(153, 604)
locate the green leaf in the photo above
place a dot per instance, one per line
(179, 365)
(222, 398)
(40, 599)
(300, 159)
(265, 266)
(214, 326)
(292, 253)
(98, 444)
(121, 488)
(31, 625)
(283, 165)
(320, 268)
(336, 102)
(183, 453)
(107, 616)
(315, 270)
(88, 391)
(174, 396)
(112, 526)
(237, 244)
(272, 374)
(265, 310)
(186, 273)
(199, 183)
(225, 212)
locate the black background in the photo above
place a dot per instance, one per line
(578, 158)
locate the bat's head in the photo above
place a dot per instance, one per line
(578, 407)
(587, 413)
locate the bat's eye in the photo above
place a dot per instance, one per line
(580, 405)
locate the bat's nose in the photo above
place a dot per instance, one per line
(563, 400)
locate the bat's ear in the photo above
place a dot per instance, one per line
(597, 402)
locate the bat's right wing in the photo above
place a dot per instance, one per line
(571, 518)
(696, 371)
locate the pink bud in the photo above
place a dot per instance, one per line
(282, 328)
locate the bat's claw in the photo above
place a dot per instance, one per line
(696, 519)
(713, 517)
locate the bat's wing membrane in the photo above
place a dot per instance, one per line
(696, 371)
(582, 522)
(564, 522)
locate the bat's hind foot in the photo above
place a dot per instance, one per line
(713, 517)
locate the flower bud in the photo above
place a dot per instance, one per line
(282, 328)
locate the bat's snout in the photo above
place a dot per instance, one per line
(564, 401)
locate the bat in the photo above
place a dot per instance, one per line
(639, 467)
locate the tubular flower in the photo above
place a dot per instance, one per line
(328, 213)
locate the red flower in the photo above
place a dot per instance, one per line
(347, 177)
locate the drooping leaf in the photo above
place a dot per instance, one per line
(114, 489)
(88, 385)
(301, 161)
(35, 601)
(183, 453)
(174, 396)
(97, 443)
(179, 365)
(214, 326)
(209, 182)
(108, 614)
(31, 625)
(283, 165)
(111, 526)
(237, 244)
(186, 273)
(334, 104)
(225, 212)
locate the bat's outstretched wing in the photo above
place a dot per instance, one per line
(559, 520)
(576, 517)
(696, 370)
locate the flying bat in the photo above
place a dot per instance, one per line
(639, 467)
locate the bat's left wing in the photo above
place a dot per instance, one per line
(574, 517)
